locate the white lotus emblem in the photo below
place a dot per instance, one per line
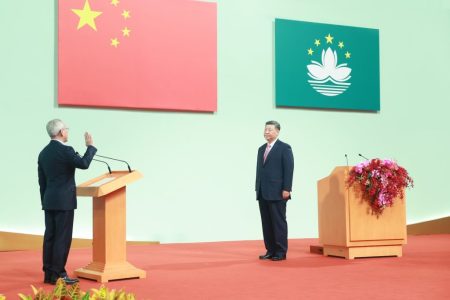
(329, 78)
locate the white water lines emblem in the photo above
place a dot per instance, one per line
(329, 78)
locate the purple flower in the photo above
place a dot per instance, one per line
(382, 200)
(359, 168)
(390, 164)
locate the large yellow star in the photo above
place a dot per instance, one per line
(329, 39)
(87, 16)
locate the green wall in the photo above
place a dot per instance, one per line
(199, 168)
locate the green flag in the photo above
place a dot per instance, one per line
(326, 66)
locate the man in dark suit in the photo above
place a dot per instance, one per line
(56, 169)
(274, 172)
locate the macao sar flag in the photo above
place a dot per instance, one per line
(138, 54)
(326, 66)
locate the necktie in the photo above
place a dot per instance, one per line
(266, 152)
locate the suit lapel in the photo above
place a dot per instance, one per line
(270, 152)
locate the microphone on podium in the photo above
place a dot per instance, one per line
(109, 169)
(107, 157)
(346, 158)
(363, 156)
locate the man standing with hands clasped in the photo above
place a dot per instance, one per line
(56, 169)
(274, 172)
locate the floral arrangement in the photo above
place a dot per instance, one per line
(380, 181)
(62, 291)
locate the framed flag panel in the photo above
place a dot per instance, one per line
(326, 66)
(137, 54)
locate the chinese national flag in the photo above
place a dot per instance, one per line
(139, 54)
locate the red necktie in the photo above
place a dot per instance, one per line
(266, 152)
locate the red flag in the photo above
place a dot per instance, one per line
(142, 54)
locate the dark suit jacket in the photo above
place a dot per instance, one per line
(56, 170)
(274, 175)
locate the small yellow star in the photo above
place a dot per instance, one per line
(115, 42)
(87, 16)
(317, 43)
(341, 45)
(310, 51)
(126, 14)
(329, 39)
(347, 54)
(126, 31)
(115, 2)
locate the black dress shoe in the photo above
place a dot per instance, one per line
(47, 277)
(265, 256)
(278, 257)
(66, 279)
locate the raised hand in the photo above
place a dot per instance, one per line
(88, 139)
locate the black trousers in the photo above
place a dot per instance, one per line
(57, 241)
(274, 225)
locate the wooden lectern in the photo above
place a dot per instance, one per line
(109, 253)
(347, 227)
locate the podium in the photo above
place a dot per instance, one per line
(109, 253)
(347, 227)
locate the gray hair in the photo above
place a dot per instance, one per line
(54, 127)
(275, 123)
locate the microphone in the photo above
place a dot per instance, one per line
(346, 158)
(363, 156)
(109, 169)
(129, 169)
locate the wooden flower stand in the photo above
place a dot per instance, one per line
(347, 227)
